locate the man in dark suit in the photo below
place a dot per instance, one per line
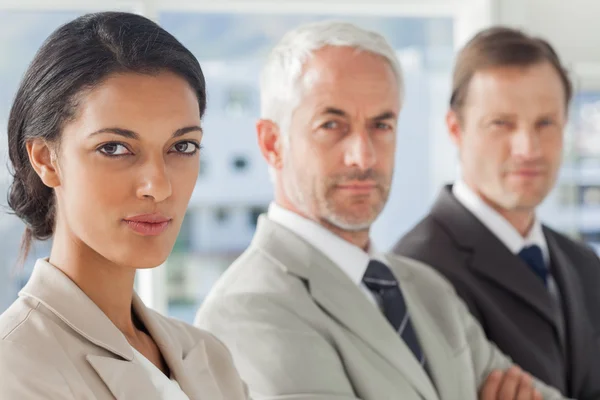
(535, 292)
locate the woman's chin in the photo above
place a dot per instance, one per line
(140, 260)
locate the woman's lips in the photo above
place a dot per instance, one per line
(148, 224)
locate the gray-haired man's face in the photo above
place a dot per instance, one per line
(339, 163)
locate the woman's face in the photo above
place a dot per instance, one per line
(127, 165)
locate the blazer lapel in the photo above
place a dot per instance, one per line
(342, 300)
(439, 359)
(573, 307)
(489, 258)
(198, 375)
(125, 379)
(191, 370)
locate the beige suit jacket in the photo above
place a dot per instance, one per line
(299, 328)
(55, 343)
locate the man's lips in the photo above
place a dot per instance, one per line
(360, 187)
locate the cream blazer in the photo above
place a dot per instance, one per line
(56, 344)
(300, 329)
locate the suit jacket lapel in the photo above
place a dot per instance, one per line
(439, 359)
(342, 300)
(573, 307)
(489, 258)
(125, 379)
(191, 370)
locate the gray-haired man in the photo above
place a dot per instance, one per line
(311, 310)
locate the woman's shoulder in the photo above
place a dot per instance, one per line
(29, 327)
(19, 320)
(27, 368)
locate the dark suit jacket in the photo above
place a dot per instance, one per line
(511, 303)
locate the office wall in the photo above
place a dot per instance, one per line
(570, 25)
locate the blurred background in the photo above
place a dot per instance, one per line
(231, 39)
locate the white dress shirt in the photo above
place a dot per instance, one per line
(349, 258)
(512, 239)
(498, 225)
(502, 229)
(168, 389)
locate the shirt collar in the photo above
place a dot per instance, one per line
(348, 257)
(497, 224)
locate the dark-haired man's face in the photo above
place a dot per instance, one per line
(510, 134)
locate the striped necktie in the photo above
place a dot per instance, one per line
(381, 282)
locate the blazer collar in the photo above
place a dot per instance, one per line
(125, 378)
(463, 225)
(343, 300)
(56, 291)
(295, 255)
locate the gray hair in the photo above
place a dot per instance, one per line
(280, 88)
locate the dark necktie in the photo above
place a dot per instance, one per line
(532, 255)
(380, 280)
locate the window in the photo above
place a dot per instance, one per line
(240, 163)
(26, 30)
(221, 215)
(239, 101)
(203, 166)
(253, 215)
(574, 205)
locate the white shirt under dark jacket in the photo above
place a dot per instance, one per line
(498, 225)
(348, 257)
(506, 233)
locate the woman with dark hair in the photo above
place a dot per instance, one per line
(104, 137)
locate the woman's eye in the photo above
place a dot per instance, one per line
(186, 147)
(114, 149)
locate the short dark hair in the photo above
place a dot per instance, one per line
(77, 57)
(502, 47)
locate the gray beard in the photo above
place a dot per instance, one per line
(339, 223)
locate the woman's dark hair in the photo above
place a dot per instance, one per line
(77, 57)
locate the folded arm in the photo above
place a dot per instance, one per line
(486, 357)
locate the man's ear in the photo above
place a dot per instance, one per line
(43, 160)
(453, 123)
(270, 141)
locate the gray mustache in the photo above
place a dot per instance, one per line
(368, 175)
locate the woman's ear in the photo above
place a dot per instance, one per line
(44, 161)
